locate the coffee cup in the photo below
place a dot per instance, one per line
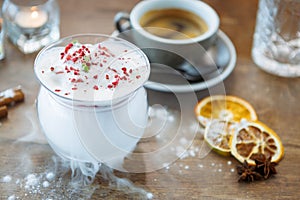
(172, 32)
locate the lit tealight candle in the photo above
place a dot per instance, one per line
(32, 18)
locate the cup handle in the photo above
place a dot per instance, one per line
(120, 19)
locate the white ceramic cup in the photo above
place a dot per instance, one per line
(170, 52)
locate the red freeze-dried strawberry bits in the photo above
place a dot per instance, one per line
(79, 60)
(82, 55)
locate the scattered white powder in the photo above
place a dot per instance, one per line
(181, 149)
(200, 165)
(31, 180)
(162, 113)
(158, 111)
(37, 183)
(192, 153)
(46, 184)
(166, 166)
(9, 93)
(149, 195)
(6, 179)
(12, 197)
(50, 176)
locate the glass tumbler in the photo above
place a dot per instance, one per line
(276, 42)
(90, 129)
(31, 24)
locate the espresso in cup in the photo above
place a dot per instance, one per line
(172, 33)
(173, 23)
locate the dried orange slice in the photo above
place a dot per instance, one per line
(250, 138)
(228, 108)
(218, 135)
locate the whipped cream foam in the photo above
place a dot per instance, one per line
(92, 72)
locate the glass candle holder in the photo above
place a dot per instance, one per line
(31, 24)
(276, 41)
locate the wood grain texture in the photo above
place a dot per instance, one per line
(201, 177)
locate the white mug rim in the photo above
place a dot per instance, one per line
(213, 23)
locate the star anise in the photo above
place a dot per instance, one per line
(247, 172)
(264, 166)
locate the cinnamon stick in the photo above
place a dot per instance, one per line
(3, 111)
(11, 96)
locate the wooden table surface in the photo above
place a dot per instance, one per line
(198, 175)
